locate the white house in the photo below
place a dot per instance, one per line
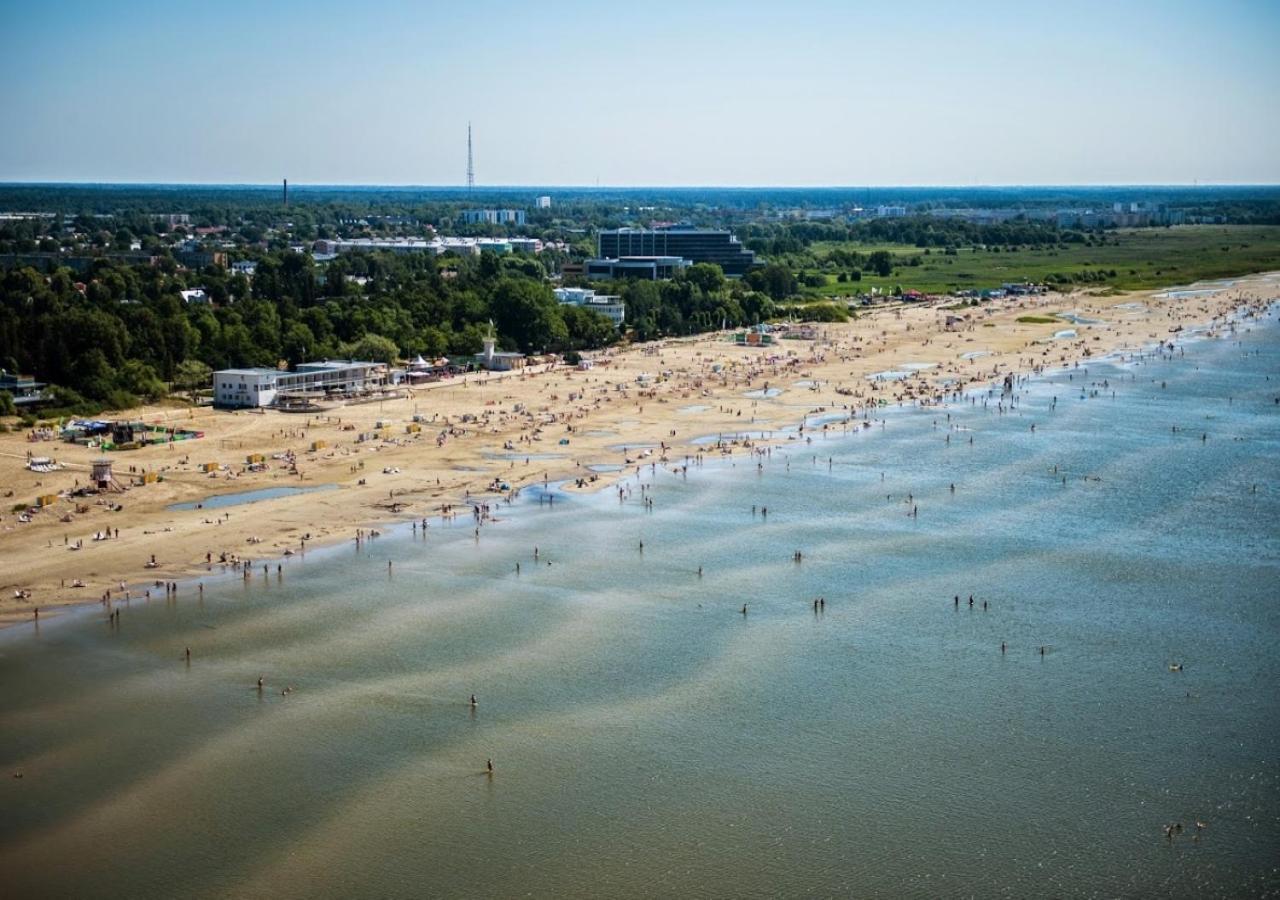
(236, 388)
(608, 305)
(194, 295)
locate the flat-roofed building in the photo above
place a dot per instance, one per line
(697, 245)
(608, 305)
(653, 268)
(493, 216)
(25, 391)
(239, 388)
(261, 386)
(462, 246)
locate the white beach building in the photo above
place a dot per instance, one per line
(259, 387)
(608, 305)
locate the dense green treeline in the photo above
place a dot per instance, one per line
(1241, 204)
(118, 333)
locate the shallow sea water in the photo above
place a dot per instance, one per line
(651, 740)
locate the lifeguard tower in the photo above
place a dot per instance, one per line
(103, 479)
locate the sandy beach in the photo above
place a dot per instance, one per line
(479, 438)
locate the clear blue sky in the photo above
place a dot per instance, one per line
(697, 92)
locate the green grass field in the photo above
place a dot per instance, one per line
(1140, 258)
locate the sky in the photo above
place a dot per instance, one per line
(697, 92)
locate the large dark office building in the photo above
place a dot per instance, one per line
(698, 245)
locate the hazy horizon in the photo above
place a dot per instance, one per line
(816, 93)
(407, 186)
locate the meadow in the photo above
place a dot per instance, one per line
(1128, 259)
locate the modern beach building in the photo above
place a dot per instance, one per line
(608, 305)
(697, 245)
(25, 391)
(260, 387)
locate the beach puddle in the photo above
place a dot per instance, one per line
(695, 408)
(1076, 319)
(826, 419)
(219, 501)
(763, 393)
(1064, 334)
(1188, 293)
(975, 354)
(890, 375)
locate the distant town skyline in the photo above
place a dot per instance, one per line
(812, 93)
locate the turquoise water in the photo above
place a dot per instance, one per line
(218, 501)
(650, 740)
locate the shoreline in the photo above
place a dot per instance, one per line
(486, 434)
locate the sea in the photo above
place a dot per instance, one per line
(665, 711)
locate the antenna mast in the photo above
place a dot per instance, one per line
(471, 169)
